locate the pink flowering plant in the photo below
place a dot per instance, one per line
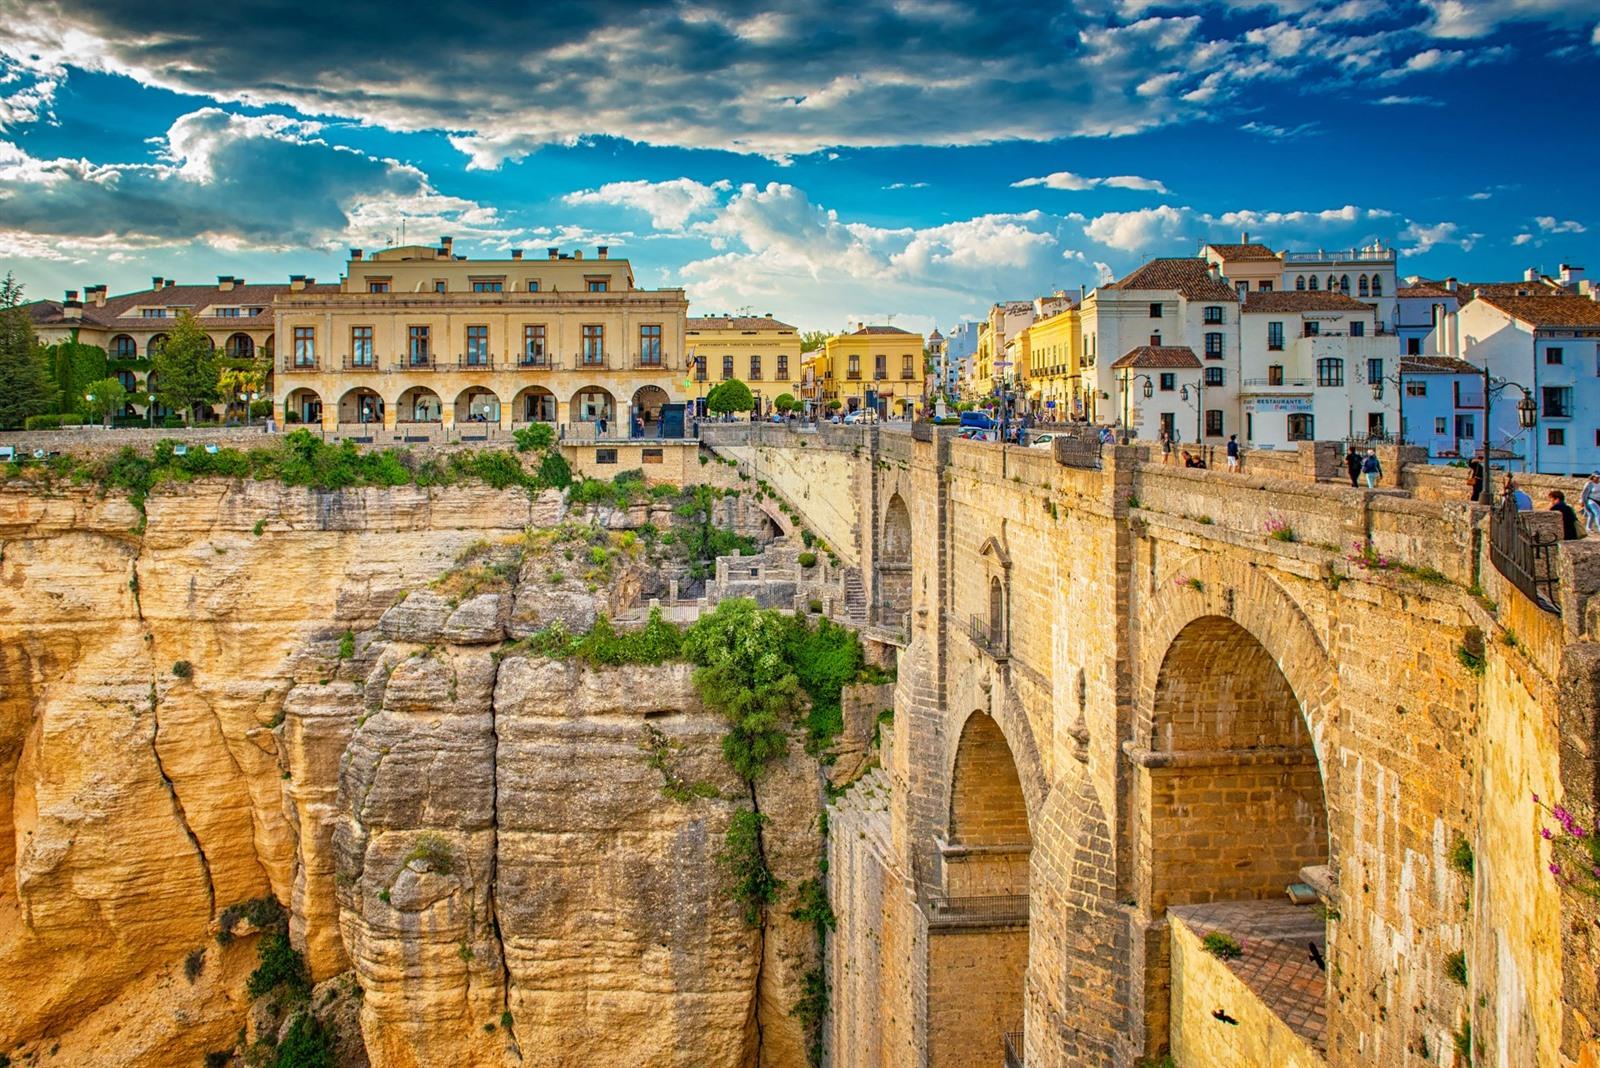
(1278, 529)
(1367, 558)
(1574, 847)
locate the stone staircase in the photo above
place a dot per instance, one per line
(855, 597)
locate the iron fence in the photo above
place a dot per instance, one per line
(1012, 1040)
(1522, 556)
(988, 635)
(990, 908)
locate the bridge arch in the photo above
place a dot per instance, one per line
(894, 563)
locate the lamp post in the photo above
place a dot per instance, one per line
(1127, 412)
(1398, 378)
(150, 410)
(249, 402)
(1199, 392)
(1527, 418)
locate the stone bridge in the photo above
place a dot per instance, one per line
(1137, 704)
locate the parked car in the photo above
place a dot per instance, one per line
(977, 433)
(862, 415)
(1041, 441)
(977, 419)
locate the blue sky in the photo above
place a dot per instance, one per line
(827, 162)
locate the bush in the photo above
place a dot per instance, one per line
(183, 669)
(51, 422)
(807, 559)
(194, 963)
(534, 436)
(1221, 946)
(554, 471)
(432, 850)
(281, 965)
(1455, 966)
(307, 1044)
(1461, 859)
(742, 857)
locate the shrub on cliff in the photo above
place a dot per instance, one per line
(746, 675)
(281, 965)
(743, 857)
(307, 1044)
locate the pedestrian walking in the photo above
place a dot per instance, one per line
(1166, 447)
(1475, 479)
(1233, 452)
(1569, 518)
(1370, 470)
(1352, 463)
(1589, 502)
(1512, 490)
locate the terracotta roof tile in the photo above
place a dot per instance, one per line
(1181, 357)
(880, 330)
(1547, 311)
(1424, 289)
(736, 322)
(1251, 251)
(113, 314)
(1437, 365)
(1296, 300)
(1189, 275)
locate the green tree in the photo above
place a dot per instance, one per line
(186, 367)
(74, 366)
(730, 396)
(811, 340)
(235, 384)
(785, 403)
(25, 385)
(103, 398)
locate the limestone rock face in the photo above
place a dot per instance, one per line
(266, 691)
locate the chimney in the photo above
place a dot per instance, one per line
(578, 255)
(1570, 274)
(96, 294)
(1450, 284)
(1531, 274)
(355, 255)
(603, 250)
(1244, 237)
(72, 307)
(447, 243)
(155, 281)
(297, 282)
(225, 282)
(516, 255)
(553, 252)
(168, 284)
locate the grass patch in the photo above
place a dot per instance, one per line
(1221, 946)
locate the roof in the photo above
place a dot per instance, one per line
(1437, 365)
(1303, 300)
(110, 316)
(736, 322)
(1425, 289)
(1181, 357)
(935, 334)
(1190, 276)
(1251, 251)
(1547, 311)
(880, 330)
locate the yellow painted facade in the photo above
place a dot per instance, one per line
(760, 351)
(1054, 371)
(419, 340)
(883, 360)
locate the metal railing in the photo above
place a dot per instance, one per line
(359, 363)
(989, 637)
(1522, 556)
(585, 360)
(300, 365)
(1012, 1042)
(536, 361)
(989, 908)
(484, 362)
(1285, 383)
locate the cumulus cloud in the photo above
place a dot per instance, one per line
(1426, 236)
(1138, 231)
(234, 181)
(1551, 225)
(1461, 19)
(1522, 239)
(790, 80)
(1077, 183)
(670, 204)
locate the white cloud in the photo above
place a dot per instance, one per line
(1551, 225)
(1522, 239)
(1138, 231)
(1394, 100)
(907, 185)
(1462, 19)
(1076, 183)
(670, 204)
(1279, 133)
(1425, 237)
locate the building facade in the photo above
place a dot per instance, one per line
(878, 367)
(759, 350)
(1054, 373)
(416, 341)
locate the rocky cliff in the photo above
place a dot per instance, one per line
(319, 696)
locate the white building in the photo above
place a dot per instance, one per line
(1307, 369)
(1422, 305)
(1136, 328)
(1548, 343)
(1366, 274)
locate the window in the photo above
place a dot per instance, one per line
(377, 285)
(418, 347)
(1361, 286)
(755, 368)
(1377, 286)
(1332, 284)
(1375, 426)
(1330, 371)
(1300, 281)
(1155, 309)
(534, 353)
(1313, 281)
(229, 313)
(152, 313)
(854, 370)
(1243, 288)
(783, 365)
(1416, 388)
(488, 285)
(650, 345)
(1302, 427)
(699, 368)
(1213, 346)
(1213, 313)
(1155, 341)
(1466, 427)
(439, 285)
(880, 367)
(1557, 402)
(1213, 422)
(593, 336)
(1275, 337)
(1555, 436)
(361, 346)
(1554, 355)
(1310, 328)
(907, 368)
(1413, 346)
(1344, 284)
(1375, 374)
(598, 285)
(1440, 425)
(1249, 426)
(305, 346)
(605, 456)
(477, 346)
(123, 347)
(533, 285)
(1358, 328)
(1275, 374)
(1169, 381)
(654, 456)
(727, 368)
(1263, 287)
(1214, 376)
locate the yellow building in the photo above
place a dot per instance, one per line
(756, 349)
(1054, 348)
(875, 366)
(421, 341)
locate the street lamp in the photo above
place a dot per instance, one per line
(1527, 418)
(1199, 391)
(1398, 378)
(1149, 391)
(150, 410)
(249, 402)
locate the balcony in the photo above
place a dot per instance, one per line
(369, 362)
(880, 375)
(536, 361)
(853, 376)
(592, 361)
(477, 362)
(419, 361)
(908, 376)
(989, 636)
(648, 362)
(1275, 385)
(301, 365)
(1351, 255)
